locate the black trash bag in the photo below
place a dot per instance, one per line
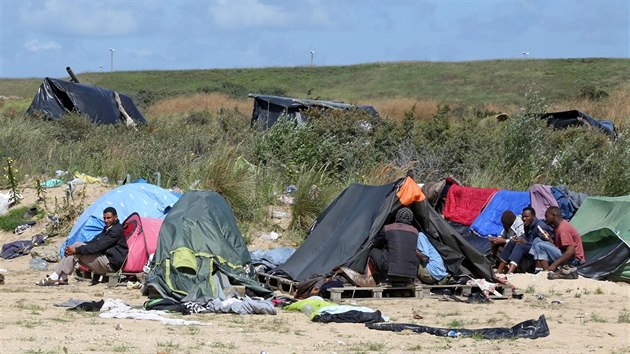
(531, 329)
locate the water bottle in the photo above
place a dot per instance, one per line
(38, 264)
(307, 310)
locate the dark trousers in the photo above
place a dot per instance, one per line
(380, 260)
(513, 252)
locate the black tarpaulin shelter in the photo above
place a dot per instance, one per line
(560, 120)
(343, 234)
(55, 98)
(268, 109)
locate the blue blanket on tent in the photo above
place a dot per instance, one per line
(489, 221)
(143, 198)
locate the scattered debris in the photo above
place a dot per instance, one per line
(269, 236)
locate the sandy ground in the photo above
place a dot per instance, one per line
(593, 316)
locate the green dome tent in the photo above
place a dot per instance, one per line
(199, 237)
(604, 223)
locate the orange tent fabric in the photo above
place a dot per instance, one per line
(409, 192)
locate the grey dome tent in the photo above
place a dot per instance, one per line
(55, 98)
(343, 234)
(199, 238)
(268, 109)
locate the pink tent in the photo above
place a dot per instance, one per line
(142, 237)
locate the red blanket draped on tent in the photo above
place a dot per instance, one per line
(464, 204)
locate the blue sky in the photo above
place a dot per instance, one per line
(41, 38)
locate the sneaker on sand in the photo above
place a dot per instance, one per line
(564, 272)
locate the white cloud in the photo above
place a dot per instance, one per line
(36, 45)
(79, 18)
(247, 14)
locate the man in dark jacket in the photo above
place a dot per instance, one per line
(394, 249)
(518, 247)
(106, 253)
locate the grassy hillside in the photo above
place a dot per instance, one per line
(470, 83)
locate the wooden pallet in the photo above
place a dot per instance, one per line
(277, 283)
(413, 291)
(378, 292)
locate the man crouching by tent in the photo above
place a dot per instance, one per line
(394, 250)
(105, 253)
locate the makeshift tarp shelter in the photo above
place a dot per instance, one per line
(142, 198)
(604, 223)
(343, 234)
(489, 221)
(199, 237)
(560, 120)
(268, 109)
(569, 202)
(142, 236)
(55, 98)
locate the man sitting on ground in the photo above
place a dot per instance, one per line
(518, 247)
(566, 249)
(431, 269)
(394, 251)
(106, 253)
(512, 228)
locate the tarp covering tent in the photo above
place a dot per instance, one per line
(464, 204)
(268, 109)
(541, 199)
(604, 223)
(55, 98)
(560, 120)
(343, 234)
(489, 221)
(142, 236)
(198, 238)
(142, 198)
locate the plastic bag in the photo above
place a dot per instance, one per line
(51, 183)
(38, 264)
(4, 203)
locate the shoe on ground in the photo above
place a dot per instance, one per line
(50, 282)
(564, 272)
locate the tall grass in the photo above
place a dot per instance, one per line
(314, 192)
(197, 102)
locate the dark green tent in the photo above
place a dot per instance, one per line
(199, 237)
(604, 223)
(343, 234)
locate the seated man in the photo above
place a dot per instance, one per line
(393, 254)
(517, 247)
(431, 269)
(567, 246)
(512, 227)
(106, 253)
